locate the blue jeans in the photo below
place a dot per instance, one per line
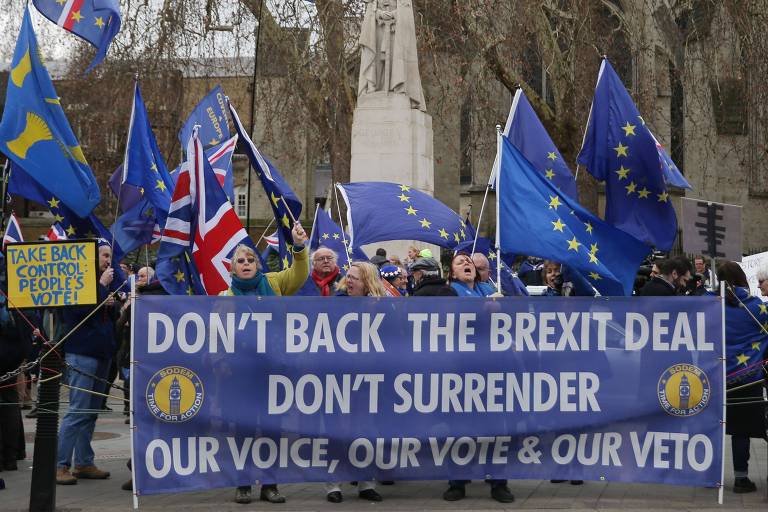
(77, 427)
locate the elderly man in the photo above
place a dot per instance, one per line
(510, 284)
(762, 281)
(325, 274)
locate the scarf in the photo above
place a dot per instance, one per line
(324, 283)
(465, 291)
(257, 285)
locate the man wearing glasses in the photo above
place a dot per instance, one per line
(324, 276)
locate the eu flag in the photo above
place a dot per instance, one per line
(619, 150)
(326, 233)
(747, 340)
(144, 166)
(537, 219)
(278, 191)
(96, 21)
(35, 133)
(378, 211)
(527, 133)
(178, 275)
(210, 115)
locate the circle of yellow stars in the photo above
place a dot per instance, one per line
(624, 173)
(456, 236)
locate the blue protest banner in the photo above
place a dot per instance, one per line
(235, 390)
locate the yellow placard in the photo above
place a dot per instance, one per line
(52, 274)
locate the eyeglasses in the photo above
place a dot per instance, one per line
(240, 261)
(324, 258)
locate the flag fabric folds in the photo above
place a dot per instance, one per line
(379, 211)
(619, 150)
(672, 174)
(747, 341)
(12, 231)
(126, 194)
(537, 219)
(143, 165)
(96, 21)
(56, 232)
(281, 197)
(35, 133)
(220, 158)
(525, 131)
(202, 229)
(326, 233)
(211, 117)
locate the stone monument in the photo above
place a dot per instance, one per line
(391, 131)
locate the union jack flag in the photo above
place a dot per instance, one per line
(56, 233)
(12, 231)
(220, 158)
(201, 222)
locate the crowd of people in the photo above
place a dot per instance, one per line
(100, 350)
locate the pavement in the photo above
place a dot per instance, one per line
(112, 447)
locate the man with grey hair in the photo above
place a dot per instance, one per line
(324, 275)
(762, 281)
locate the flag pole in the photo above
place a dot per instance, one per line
(264, 233)
(341, 221)
(288, 209)
(482, 208)
(6, 167)
(314, 222)
(589, 117)
(498, 231)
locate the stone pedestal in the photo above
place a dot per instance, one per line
(392, 142)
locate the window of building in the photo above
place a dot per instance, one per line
(730, 106)
(241, 204)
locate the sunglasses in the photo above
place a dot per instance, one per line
(243, 260)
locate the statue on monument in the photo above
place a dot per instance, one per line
(388, 59)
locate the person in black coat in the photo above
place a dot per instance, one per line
(427, 281)
(673, 277)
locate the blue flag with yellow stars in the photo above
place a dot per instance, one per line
(326, 233)
(527, 133)
(746, 334)
(21, 184)
(210, 115)
(378, 211)
(144, 166)
(136, 226)
(35, 133)
(179, 276)
(619, 150)
(280, 195)
(96, 21)
(538, 219)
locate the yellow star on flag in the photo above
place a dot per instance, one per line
(491, 256)
(463, 234)
(573, 244)
(551, 155)
(550, 173)
(71, 230)
(285, 221)
(425, 223)
(588, 227)
(153, 167)
(643, 193)
(443, 233)
(554, 202)
(53, 203)
(179, 275)
(58, 218)
(595, 276)
(593, 258)
(99, 22)
(629, 129)
(325, 236)
(456, 237)
(622, 172)
(404, 198)
(411, 210)
(345, 267)
(189, 290)
(558, 226)
(763, 309)
(742, 359)
(663, 197)
(275, 200)
(76, 16)
(631, 187)
(756, 345)
(160, 185)
(405, 188)
(621, 150)
(593, 248)
(335, 236)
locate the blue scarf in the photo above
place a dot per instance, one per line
(465, 291)
(257, 285)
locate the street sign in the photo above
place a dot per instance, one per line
(712, 229)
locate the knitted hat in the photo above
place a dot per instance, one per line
(390, 272)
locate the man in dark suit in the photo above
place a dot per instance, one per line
(673, 277)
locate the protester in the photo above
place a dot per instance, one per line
(362, 280)
(427, 281)
(530, 271)
(762, 281)
(325, 274)
(745, 410)
(672, 278)
(88, 354)
(394, 281)
(465, 281)
(413, 254)
(248, 279)
(380, 258)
